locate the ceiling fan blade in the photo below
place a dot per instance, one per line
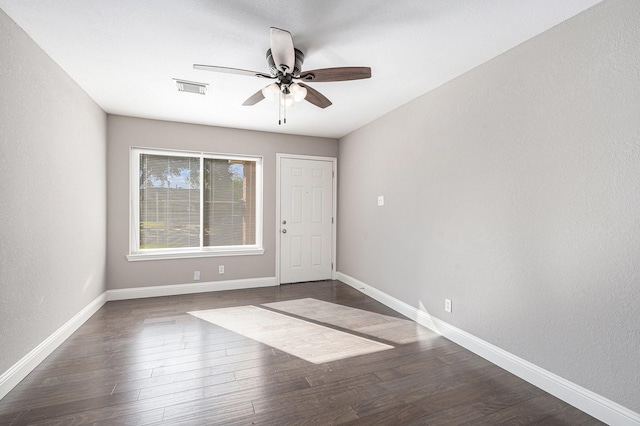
(336, 74)
(282, 49)
(254, 99)
(231, 71)
(315, 97)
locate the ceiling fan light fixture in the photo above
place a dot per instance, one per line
(191, 87)
(299, 92)
(287, 100)
(270, 91)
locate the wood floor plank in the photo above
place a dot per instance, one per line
(308, 404)
(51, 411)
(215, 414)
(320, 397)
(230, 397)
(149, 362)
(125, 385)
(566, 415)
(329, 416)
(130, 413)
(396, 415)
(218, 364)
(530, 411)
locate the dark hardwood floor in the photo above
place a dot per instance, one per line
(147, 361)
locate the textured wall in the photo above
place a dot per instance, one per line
(53, 204)
(125, 132)
(514, 190)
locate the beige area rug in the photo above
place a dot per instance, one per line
(306, 340)
(384, 327)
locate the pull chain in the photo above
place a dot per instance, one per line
(282, 109)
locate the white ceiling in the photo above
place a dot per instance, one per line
(125, 53)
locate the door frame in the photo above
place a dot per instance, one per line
(334, 225)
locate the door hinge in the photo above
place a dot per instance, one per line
(332, 221)
(333, 174)
(332, 266)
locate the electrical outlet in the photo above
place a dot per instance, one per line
(196, 275)
(221, 269)
(380, 200)
(447, 305)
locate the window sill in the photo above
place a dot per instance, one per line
(191, 254)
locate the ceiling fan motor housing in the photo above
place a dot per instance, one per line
(297, 67)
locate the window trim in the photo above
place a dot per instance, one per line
(137, 254)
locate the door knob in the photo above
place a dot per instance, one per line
(284, 222)
(284, 231)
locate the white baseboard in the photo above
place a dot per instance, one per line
(14, 375)
(189, 288)
(591, 403)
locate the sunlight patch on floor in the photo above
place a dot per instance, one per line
(311, 342)
(384, 327)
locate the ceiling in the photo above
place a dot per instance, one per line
(126, 53)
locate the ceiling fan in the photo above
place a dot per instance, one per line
(285, 67)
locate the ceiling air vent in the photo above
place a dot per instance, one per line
(191, 86)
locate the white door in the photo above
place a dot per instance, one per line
(306, 222)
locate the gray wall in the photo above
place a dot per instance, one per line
(125, 132)
(514, 190)
(53, 204)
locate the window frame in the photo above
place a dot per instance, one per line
(137, 254)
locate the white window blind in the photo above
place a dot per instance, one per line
(195, 204)
(169, 202)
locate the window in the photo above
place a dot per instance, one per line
(186, 204)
